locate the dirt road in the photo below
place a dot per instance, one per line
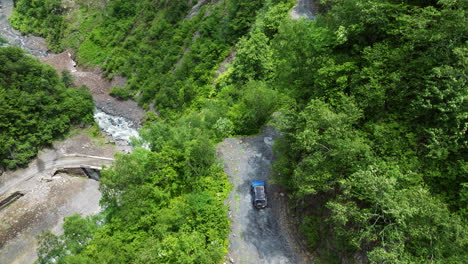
(44, 167)
(48, 199)
(257, 236)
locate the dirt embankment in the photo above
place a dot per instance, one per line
(258, 236)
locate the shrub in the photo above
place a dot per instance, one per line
(121, 93)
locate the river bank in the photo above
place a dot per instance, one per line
(98, 85)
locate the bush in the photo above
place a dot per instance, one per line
(121, 93)
(310, 227)
(254, 107)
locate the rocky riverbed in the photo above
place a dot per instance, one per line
(98, 86)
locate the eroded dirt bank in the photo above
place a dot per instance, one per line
(257, 236)
(98, 86)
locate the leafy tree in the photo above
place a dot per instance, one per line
(36, 107)
(50, 248)
(40, 17)
(374, 129)
(325, 147)
(254, 58)
(254, 107)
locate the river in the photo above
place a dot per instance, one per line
(117, 119)
(47, 197)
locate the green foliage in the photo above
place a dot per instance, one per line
(254, 58)
(50, 247)
(121, 93)
(78, 232)
(241, 14)
(67, 78)
(375, 128)
(310, 228)
(254, 107)
(161, 206)
(170, 60)
(276, 14)
(304, 66)
(411, 224)
(224, 127)
(324, 147)
(388, 165)
(36, 107)
(40, 17)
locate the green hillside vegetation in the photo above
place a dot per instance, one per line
(372, 108)
(36, 107)
(40, 17)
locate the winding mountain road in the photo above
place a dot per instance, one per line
(257, 236)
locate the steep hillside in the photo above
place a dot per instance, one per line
(371, 101)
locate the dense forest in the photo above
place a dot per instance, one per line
(370, 99)
(36, 107)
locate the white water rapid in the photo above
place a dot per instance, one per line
(117, 127)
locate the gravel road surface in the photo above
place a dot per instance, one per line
(257, 236)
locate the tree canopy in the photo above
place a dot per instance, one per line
(370, 98)
(36, 107)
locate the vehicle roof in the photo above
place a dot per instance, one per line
(258, 183)
(260, 192)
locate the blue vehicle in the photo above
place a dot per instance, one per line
(258, 190)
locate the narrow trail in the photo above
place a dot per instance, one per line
(257, 236)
